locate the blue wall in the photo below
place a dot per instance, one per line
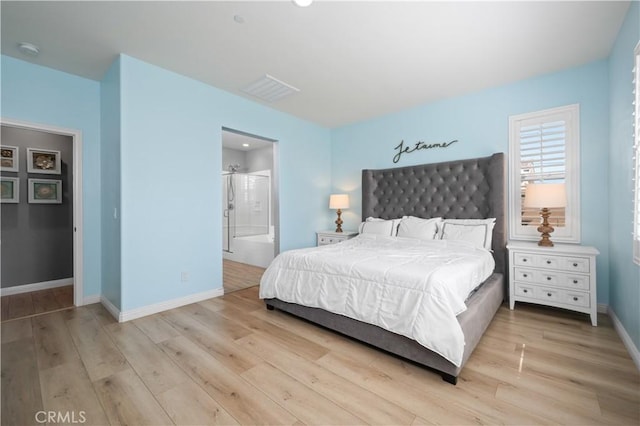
(480, 122)
(171, 181)
(624, 274)
(110, 167)
(159, 148)
(44, 96)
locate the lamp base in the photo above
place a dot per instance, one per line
(338, 221)
(545, 229)
(545, 241)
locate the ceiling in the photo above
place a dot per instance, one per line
(243, 142)
(351, 60)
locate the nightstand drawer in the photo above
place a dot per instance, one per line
(550, 294)
(580, 282)
(550, 262)
(552, 278)
(536, 260)
(555, 295)
(524, 259)
(577, 264)
(527, 275)
(323, 240)
(577, 299)
(549, 278)
(525, 290)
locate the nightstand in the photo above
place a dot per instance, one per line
(563, 276)
(330, 237)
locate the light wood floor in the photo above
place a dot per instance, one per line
(36, 302)
(238, 276)
(228, 360)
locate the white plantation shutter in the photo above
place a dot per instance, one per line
(544, 148)
(542, 152)
(542, 160)
(636, 159)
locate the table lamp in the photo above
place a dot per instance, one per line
(545, 196)
(339, 201)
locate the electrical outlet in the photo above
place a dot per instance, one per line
(184, 277)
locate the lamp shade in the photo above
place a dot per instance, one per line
(339, 201)
(545, 195)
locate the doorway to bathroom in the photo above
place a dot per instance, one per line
(249, 208)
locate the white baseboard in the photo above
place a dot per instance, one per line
(603, 308)
(626, 339)
(115, 312)
(159, 307)
(90, 300)
(45, 285)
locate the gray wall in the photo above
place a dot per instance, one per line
(249, 161)
(233, 156)
(260, 159)
(37, 239)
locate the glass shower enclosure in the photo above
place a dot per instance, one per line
(246, 206)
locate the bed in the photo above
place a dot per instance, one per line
(464, 189)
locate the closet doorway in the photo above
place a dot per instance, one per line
(249, 208)
(41, 218)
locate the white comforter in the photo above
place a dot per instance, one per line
(410, 287)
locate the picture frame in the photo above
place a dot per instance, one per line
(45, 191)
(9, 158)
(46, 161)
(9, 190)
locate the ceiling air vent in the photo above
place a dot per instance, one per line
(270, 89)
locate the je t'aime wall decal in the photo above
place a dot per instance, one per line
(401, 149)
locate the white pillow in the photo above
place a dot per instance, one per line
(415, 227)
(479, 232)
(374, 225)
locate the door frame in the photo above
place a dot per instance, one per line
(275, 181)
(76, 138)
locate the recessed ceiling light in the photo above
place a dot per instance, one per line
(302, 3)
(29, 49)
(246, 145)
(239, 19)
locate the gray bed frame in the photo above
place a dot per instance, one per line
(464, 189)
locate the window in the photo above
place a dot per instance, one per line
(544, 148)
(636, 157)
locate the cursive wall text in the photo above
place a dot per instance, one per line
(401, 149)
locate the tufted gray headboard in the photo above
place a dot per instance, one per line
(462, 189)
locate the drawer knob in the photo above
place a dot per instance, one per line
(525, 275)
(575, 299)
(548, 262)
(548, 278)
(575, 281)
(575, 265)
(524, 260)
(549, 294)
(525, 291)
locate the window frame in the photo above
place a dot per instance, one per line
(571, 232)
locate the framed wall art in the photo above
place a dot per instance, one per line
(45, 191)
(9, 189)
(9, 158)
(43, 161)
